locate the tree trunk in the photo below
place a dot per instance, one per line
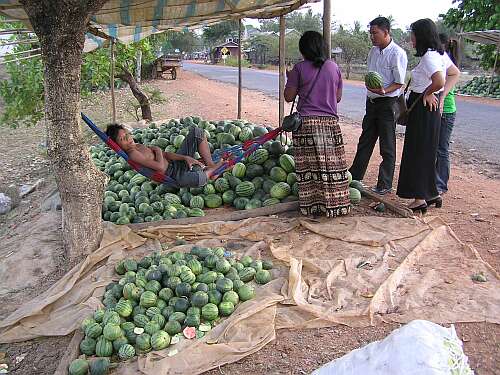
(60, 27)
(143, 100)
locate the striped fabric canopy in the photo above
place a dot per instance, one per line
(132, 20)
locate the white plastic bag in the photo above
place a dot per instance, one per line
(418, 348)
(5, 204)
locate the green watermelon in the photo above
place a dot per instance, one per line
(259, 156)
(245, 189)
(228, 196)
(354, 195)
(278, 174)
(280, 190)
(373, 80)
(210, 312)
(239, 170)
(287, 163)
(213, 201)
(240, 203)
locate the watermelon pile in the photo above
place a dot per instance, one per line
(479, 86)
(163, 298)
(266, 177)
(373, 80)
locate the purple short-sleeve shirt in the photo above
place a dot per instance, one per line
(323, 98)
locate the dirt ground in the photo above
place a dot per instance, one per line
(471, 208)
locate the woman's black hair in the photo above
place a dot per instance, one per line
(112, 131)
(313, 47)
(427, 36)
(450, 47)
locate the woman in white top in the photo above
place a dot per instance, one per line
(417, 174)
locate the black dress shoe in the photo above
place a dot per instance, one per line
(438, 202)
(381, 191)
(422, 208)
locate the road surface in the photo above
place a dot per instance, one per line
(477, 128)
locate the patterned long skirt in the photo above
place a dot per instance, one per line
(321, 167)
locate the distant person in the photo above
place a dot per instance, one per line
(181, 166)
(320, 161)
(449, 111)
(434, 74)
(390, 61)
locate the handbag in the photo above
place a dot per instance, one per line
(293, 121)
(402, 109)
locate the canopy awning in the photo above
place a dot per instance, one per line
(132, 20)
(484, 37)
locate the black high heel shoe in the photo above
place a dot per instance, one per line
(438, 202)
(422, 208)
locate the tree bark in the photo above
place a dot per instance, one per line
(60, 27)
(142, 98)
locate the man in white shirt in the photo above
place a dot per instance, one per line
(390, 61)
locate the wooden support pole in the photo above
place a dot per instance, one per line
(494, 69)
(240, 26)
(327, 26)
(112, 81)
(282, 70)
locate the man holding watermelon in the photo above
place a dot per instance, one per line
(387, 71)
(182, 166)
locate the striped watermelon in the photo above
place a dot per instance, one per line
(241, 202)
(239, 170)
(172, 198)
(221, 185)
(197, 201)
(278, 174)
(270, 202)
(280, 190)
(287, 163)
(228, 196)
(245, 134)
(245, 189)
(213, 201)
(259, 156)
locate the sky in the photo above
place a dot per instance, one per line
(405, 12)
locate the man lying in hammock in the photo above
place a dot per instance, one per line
(181, 166)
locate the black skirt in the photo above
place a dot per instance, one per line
(417, 173)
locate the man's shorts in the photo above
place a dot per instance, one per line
(178, 169)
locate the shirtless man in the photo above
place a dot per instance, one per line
(176, 165)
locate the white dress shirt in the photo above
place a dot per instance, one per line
(430, 63)
(390, 63)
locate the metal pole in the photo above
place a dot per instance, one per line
(240, 25)
(494, 69)
(327, 26)
(112, 81)
(138, 66)
(282, 70)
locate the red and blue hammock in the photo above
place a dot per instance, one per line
(231, 155)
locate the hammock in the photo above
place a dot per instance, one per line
(231, 155)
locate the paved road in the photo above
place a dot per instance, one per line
(477, 128)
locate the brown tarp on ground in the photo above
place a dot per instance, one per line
(413, 269)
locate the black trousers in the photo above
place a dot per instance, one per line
(417, 173)
(379, 123)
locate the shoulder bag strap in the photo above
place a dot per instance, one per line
(310, 90)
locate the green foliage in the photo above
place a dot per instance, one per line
(154, 95)
(303, 22)
(233, 61)
(23, 93)
(474, 15)
(355, 45)
(217, 33)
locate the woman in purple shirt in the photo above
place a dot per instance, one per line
(320, 161)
